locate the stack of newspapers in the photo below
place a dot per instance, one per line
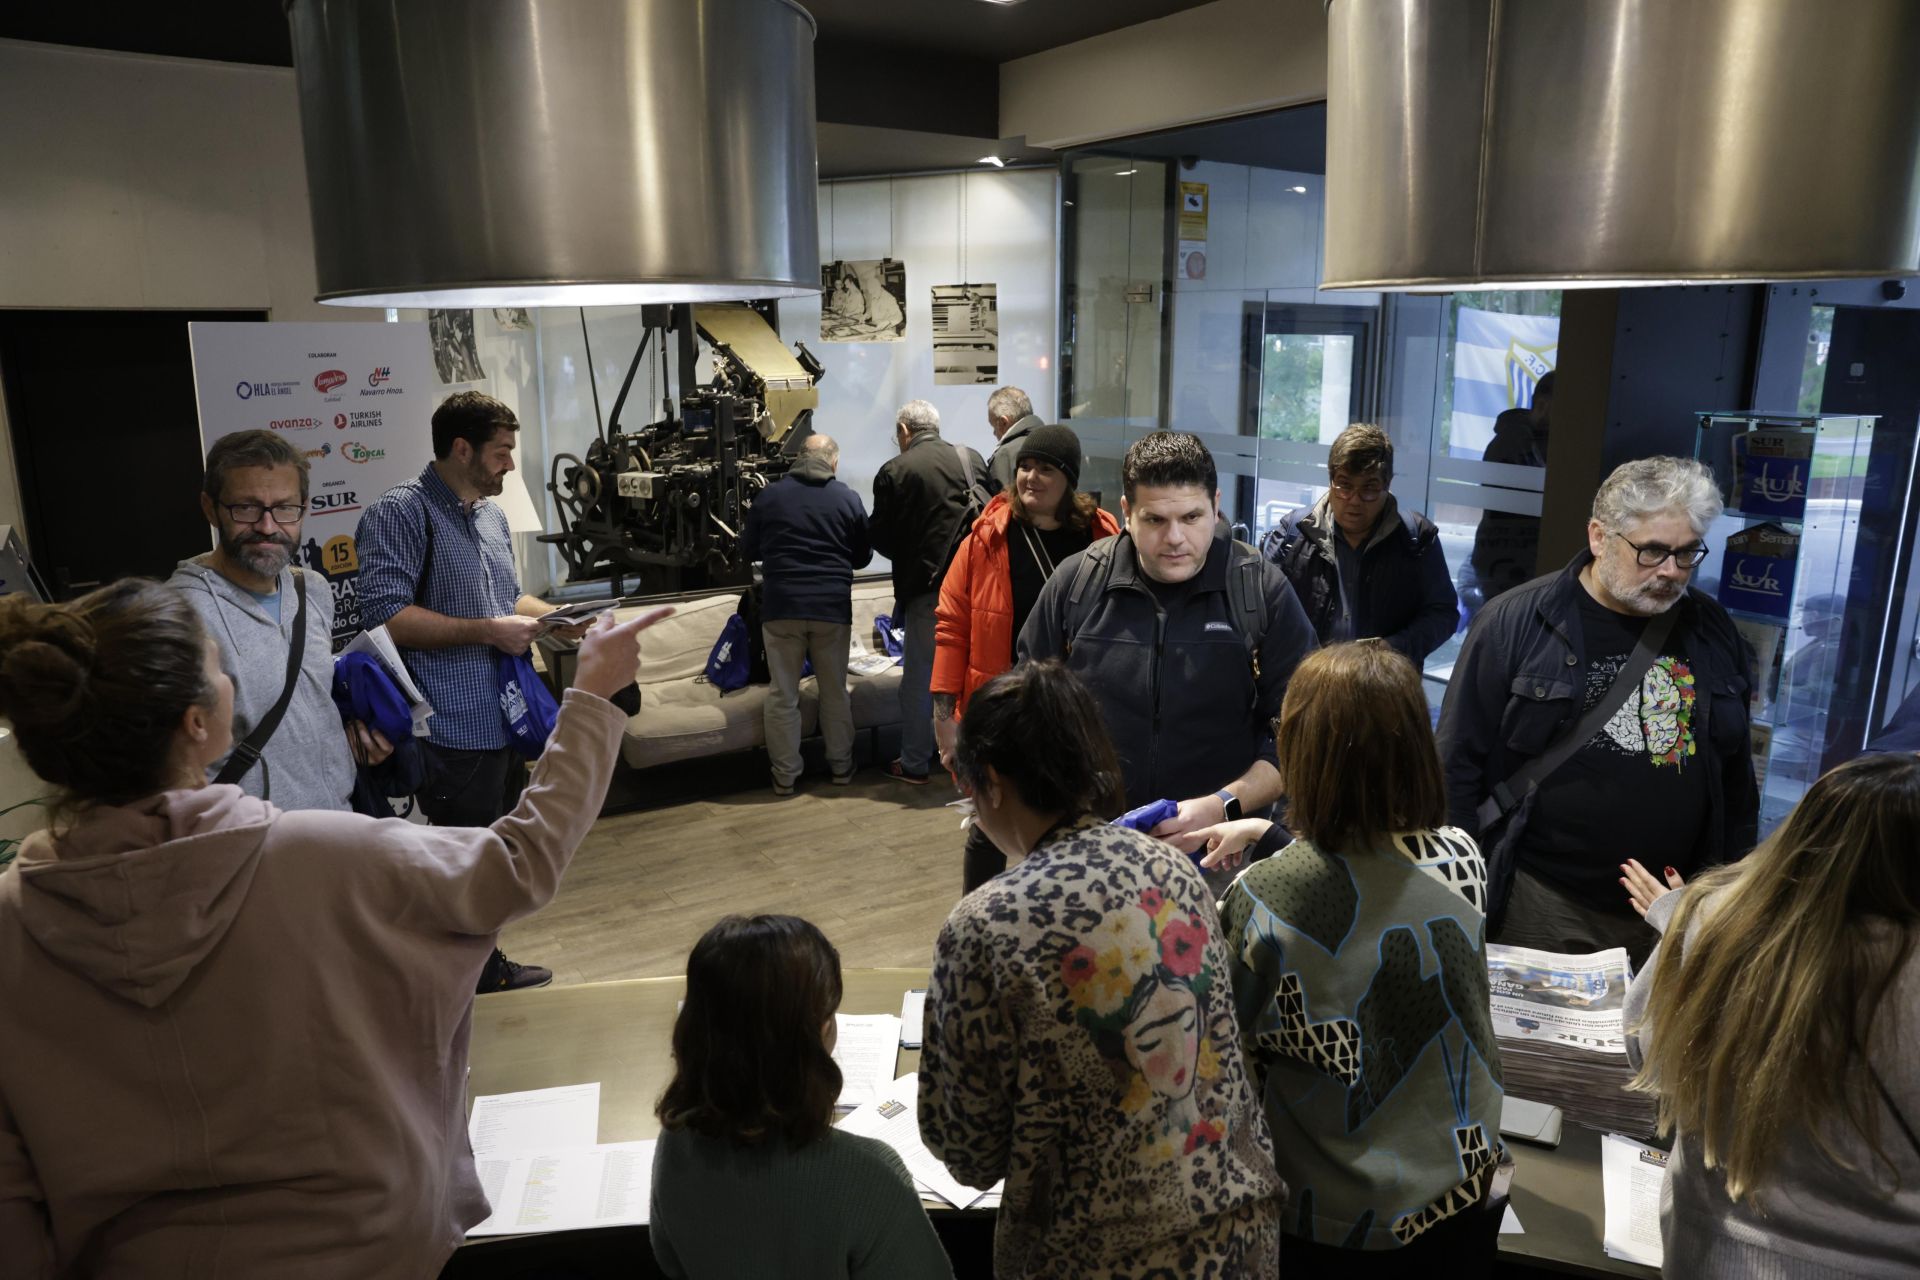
(1558, 1020)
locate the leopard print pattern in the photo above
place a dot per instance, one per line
(1081, 1042)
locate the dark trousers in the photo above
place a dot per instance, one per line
(470, 788)
(1460, 1248)
(1542, 915)
(983, 861)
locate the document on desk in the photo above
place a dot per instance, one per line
(566, 1189)
(536, 1120)
(913, 1019)
(866, 1049)
(1631, 1176)
(893, 1119)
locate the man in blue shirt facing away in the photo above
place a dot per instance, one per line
(809, 532)
(436, 568)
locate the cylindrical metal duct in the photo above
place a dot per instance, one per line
(1595, 142)
(558, 152)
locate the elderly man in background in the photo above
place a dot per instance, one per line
(921, 506)
(809, 532)
(1599, 714)
(1010, 416)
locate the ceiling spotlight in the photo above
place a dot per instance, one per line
(1299, 191)
(995, 161)
(1126, 173)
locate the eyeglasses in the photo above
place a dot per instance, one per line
(250, 512)
(1652, 557)
(1370, 493)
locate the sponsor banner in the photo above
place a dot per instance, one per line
(354, 399)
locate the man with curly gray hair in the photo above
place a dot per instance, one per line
(1667, 779)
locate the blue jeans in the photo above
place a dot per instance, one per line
(916, 679)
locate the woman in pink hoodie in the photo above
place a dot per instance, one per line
(233, 1041)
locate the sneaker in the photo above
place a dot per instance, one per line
(842, 779)
(899, 771)
(783, 788)
(502, 974)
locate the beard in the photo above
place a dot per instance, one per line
(263, 553)
(485, 483)
(1654, 596)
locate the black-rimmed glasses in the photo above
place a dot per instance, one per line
(250, 512)
(1655, 555)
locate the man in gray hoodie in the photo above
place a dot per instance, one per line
(255, 497)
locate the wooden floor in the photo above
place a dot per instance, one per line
(876, 865)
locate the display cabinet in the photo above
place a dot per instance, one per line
(1803, 559)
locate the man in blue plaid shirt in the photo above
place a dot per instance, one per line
(436, 567)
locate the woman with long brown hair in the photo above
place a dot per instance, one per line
(746, 1126)
(1782, 1036)
(993, 582)
(1361, 968)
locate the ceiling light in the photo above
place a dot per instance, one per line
(541, 152)
(995, 161)
(1299, 191)
(1126, 173)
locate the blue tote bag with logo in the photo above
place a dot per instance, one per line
(527, 705)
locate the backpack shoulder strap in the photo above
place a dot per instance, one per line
(1096, 562)
(1246, 594)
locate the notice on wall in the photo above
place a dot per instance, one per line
(354, 398)
(1191, 256)
(864, 301)
(966, 334)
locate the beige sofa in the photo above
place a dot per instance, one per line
(682, 717)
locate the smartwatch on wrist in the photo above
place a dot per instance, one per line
(1229, 804)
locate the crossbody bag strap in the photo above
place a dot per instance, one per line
(1507, 795)
(247, 754)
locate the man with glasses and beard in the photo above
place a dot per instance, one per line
(436, 568)
(1667, 780)
(255, 497)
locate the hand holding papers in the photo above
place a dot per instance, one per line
(379, 645)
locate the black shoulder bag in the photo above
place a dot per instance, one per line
(247, 754)
(1510, 795)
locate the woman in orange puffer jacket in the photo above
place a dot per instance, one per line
(995, 577)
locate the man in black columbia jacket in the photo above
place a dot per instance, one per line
(920, 501)
(1160, 634)
(1667, 781)
(1362, 565)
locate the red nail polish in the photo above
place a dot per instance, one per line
(1671, 873)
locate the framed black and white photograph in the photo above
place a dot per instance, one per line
(966, 334)
(863, 301)
(456, 356)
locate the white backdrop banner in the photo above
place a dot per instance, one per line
(356, 398)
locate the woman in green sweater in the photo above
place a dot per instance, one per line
(1360, 976)
(749, 1177)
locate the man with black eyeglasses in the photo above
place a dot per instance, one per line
(248, 596)
(1599, 714)
(1363, 565)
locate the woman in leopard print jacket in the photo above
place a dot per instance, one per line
(1081, 1041)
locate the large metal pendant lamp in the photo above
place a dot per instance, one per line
(520, 153)
(1601, 142)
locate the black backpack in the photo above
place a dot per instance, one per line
(976, 497)
(1246, 598)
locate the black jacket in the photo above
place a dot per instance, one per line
(1177, 690)
(1002, 467)
(1405, 594)
(1519, 683)
(809, 532)
(919, 500)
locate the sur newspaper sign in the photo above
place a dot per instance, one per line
(355, 398)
